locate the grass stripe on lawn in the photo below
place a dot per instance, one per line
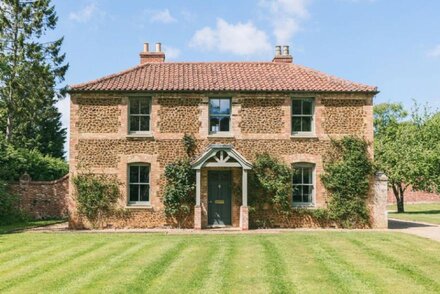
(405, 269)
(114, 266)
(18, 259)
(247, 272)
(276, 268)
(188, 271)
(152, 271)
(219, 269)
(302, 267)
(74, 282)
(39, 269)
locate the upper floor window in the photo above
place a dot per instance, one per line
(139, 184)
(303, 184)
(302, 116)
(219, 115)
(139, 114)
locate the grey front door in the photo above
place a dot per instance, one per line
(219, 197)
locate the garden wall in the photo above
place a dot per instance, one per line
(414, 196)
(43, 199)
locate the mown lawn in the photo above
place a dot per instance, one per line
(303, 262)
(423, 212)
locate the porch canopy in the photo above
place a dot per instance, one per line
(222, 155)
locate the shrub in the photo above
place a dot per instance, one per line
(179, 196)
(97, 195)
(17, 161)
(9, 206)
(346, 176)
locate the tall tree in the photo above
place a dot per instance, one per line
(30, 69)
(407, 149)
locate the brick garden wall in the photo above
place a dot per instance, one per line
(414, 197)
(42, 200)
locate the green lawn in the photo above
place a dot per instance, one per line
(27, 225)
(303, 262)
(423, 212)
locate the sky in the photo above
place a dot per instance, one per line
(391, 44)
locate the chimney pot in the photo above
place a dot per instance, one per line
(148, 56)
(158, 47)
(277, 50)
(282, 54)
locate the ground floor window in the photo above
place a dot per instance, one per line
(139, 184)
(303, 184)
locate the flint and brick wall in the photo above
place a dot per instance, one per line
(43, 199)
(260, 122)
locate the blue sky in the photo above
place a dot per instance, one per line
(392, 44)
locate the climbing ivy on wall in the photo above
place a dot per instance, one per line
(273, 178)
(180, 188)
(347, 173)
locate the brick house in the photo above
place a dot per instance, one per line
(130, 124)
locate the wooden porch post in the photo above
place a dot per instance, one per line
(244, 211)
(198, 208)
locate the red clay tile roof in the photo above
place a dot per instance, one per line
(222, 76)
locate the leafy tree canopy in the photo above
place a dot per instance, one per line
(30, 69)
(407, 148)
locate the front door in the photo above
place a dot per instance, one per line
(219, 198)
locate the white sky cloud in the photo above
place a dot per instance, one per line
(161, 16)
(240, 38)
(435, 52)
(286, 17)
(85, 14)
(171, 52)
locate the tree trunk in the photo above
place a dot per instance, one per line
(9, 127)
(398, 191)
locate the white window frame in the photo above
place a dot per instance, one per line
(129, 115)
(312, 128)
(305, 165)
(209, 115)
(134, 203)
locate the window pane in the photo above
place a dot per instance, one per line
(297, 176)
(145, 106)
(214, 124)
(296, 124)
(134, 106)
(306, 124)
(224, 124)
(307, 175)
(307, 106)
(296, 106)
(134, 174)
(225, 106)
(297, 192)
(214, 106)
(145, 192)
(307, 191)
(143, 174)
(134, 123)
(145, 123)
(134, 190)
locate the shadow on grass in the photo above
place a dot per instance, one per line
(403, 224)
(22, 226)
(419, 212)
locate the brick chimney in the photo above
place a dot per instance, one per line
(147, 56)
(282, 54)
